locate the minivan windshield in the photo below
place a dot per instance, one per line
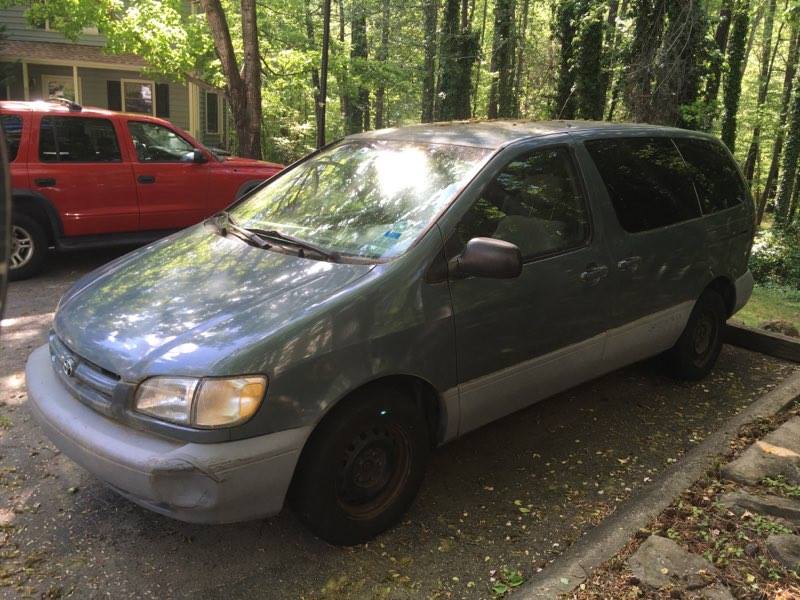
(369, 198)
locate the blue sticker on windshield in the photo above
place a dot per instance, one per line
(395, 235)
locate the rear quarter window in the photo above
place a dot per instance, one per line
(716, 178)
(647, 180)
(12, 129)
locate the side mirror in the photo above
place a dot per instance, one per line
(488, 257)
(196, 156)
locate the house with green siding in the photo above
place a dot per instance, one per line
(39, 64)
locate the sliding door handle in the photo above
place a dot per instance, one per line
(45, 181)
(631, 263)
(594, 273)
(146, 179)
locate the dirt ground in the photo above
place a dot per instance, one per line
(507, 498)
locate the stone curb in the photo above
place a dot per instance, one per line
(759, 340)
(601, 543)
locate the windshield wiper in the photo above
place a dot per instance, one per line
(224, 223)
(275, 235)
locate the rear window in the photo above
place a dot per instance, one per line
(77, 139)
(647, 180)
(716, 178)
(12, 129)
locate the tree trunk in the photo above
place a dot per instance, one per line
(431, 9)
(323, 72)
(358, 106)
(791, 150)
(590, 97)
(458, 50)
(648, 30)
(763, 87)
(343, 77)
(383, 54)
(732, 87)
(243, 88)
(717, 60)
(616, 81)
(501, 94)
(481, 37)
(315, 84)
(522, 36)
(564, 33)
(777, 146)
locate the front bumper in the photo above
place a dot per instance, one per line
(201, 483)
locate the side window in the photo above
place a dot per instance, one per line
(647, 180)
(155, 143)
(716, 178)
(77, 139)
(12, 129)
(534, 202)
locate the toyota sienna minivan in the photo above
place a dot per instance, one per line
(381, 297)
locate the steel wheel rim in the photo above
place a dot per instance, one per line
(22, 247)
(374, 469)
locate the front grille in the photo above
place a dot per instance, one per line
(89, 383)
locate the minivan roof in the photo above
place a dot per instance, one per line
(494, 134)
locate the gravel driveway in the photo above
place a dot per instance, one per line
(508, 497)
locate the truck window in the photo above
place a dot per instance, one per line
(155, 143)
(12, 128)
(716, 178)
(647, 180)
(77, 139)
(534, 202)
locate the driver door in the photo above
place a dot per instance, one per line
(520, 340)
(173, 190)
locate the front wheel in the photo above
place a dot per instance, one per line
(697, 350)
(362, 467)
(28, 247)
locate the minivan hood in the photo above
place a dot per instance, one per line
(190, 301)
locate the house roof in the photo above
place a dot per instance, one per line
(64, 52)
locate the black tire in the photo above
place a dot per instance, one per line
(697, 350)
(362, 466)
(25, 262)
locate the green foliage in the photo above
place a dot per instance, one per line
(775, 258)
(783, 487)
(732, 87)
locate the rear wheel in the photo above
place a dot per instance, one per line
(28, 247)
(362, 467)
(697, 350)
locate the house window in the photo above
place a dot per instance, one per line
(138, 96)
(54, 86)
(212, 113)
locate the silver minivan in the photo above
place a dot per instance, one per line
(385, 295)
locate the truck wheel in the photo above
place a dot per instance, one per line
(362, 466)
(28, 247)
(698, 348)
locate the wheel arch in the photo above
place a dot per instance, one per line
(725, 287)
(36, 206)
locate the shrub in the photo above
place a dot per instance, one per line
(776, 258)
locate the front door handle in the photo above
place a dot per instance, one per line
(594, 273)
(631, 263)
(146, 178)
(45, 181)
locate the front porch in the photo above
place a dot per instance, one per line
(86, 75)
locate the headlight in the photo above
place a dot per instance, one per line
(212, 402)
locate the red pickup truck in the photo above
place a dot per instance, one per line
(87, 177)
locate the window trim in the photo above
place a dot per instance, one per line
(55, 141)
(154, 162)
(219, 113)
(528, 147)
(152, 85)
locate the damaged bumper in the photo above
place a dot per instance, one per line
(201, 483)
